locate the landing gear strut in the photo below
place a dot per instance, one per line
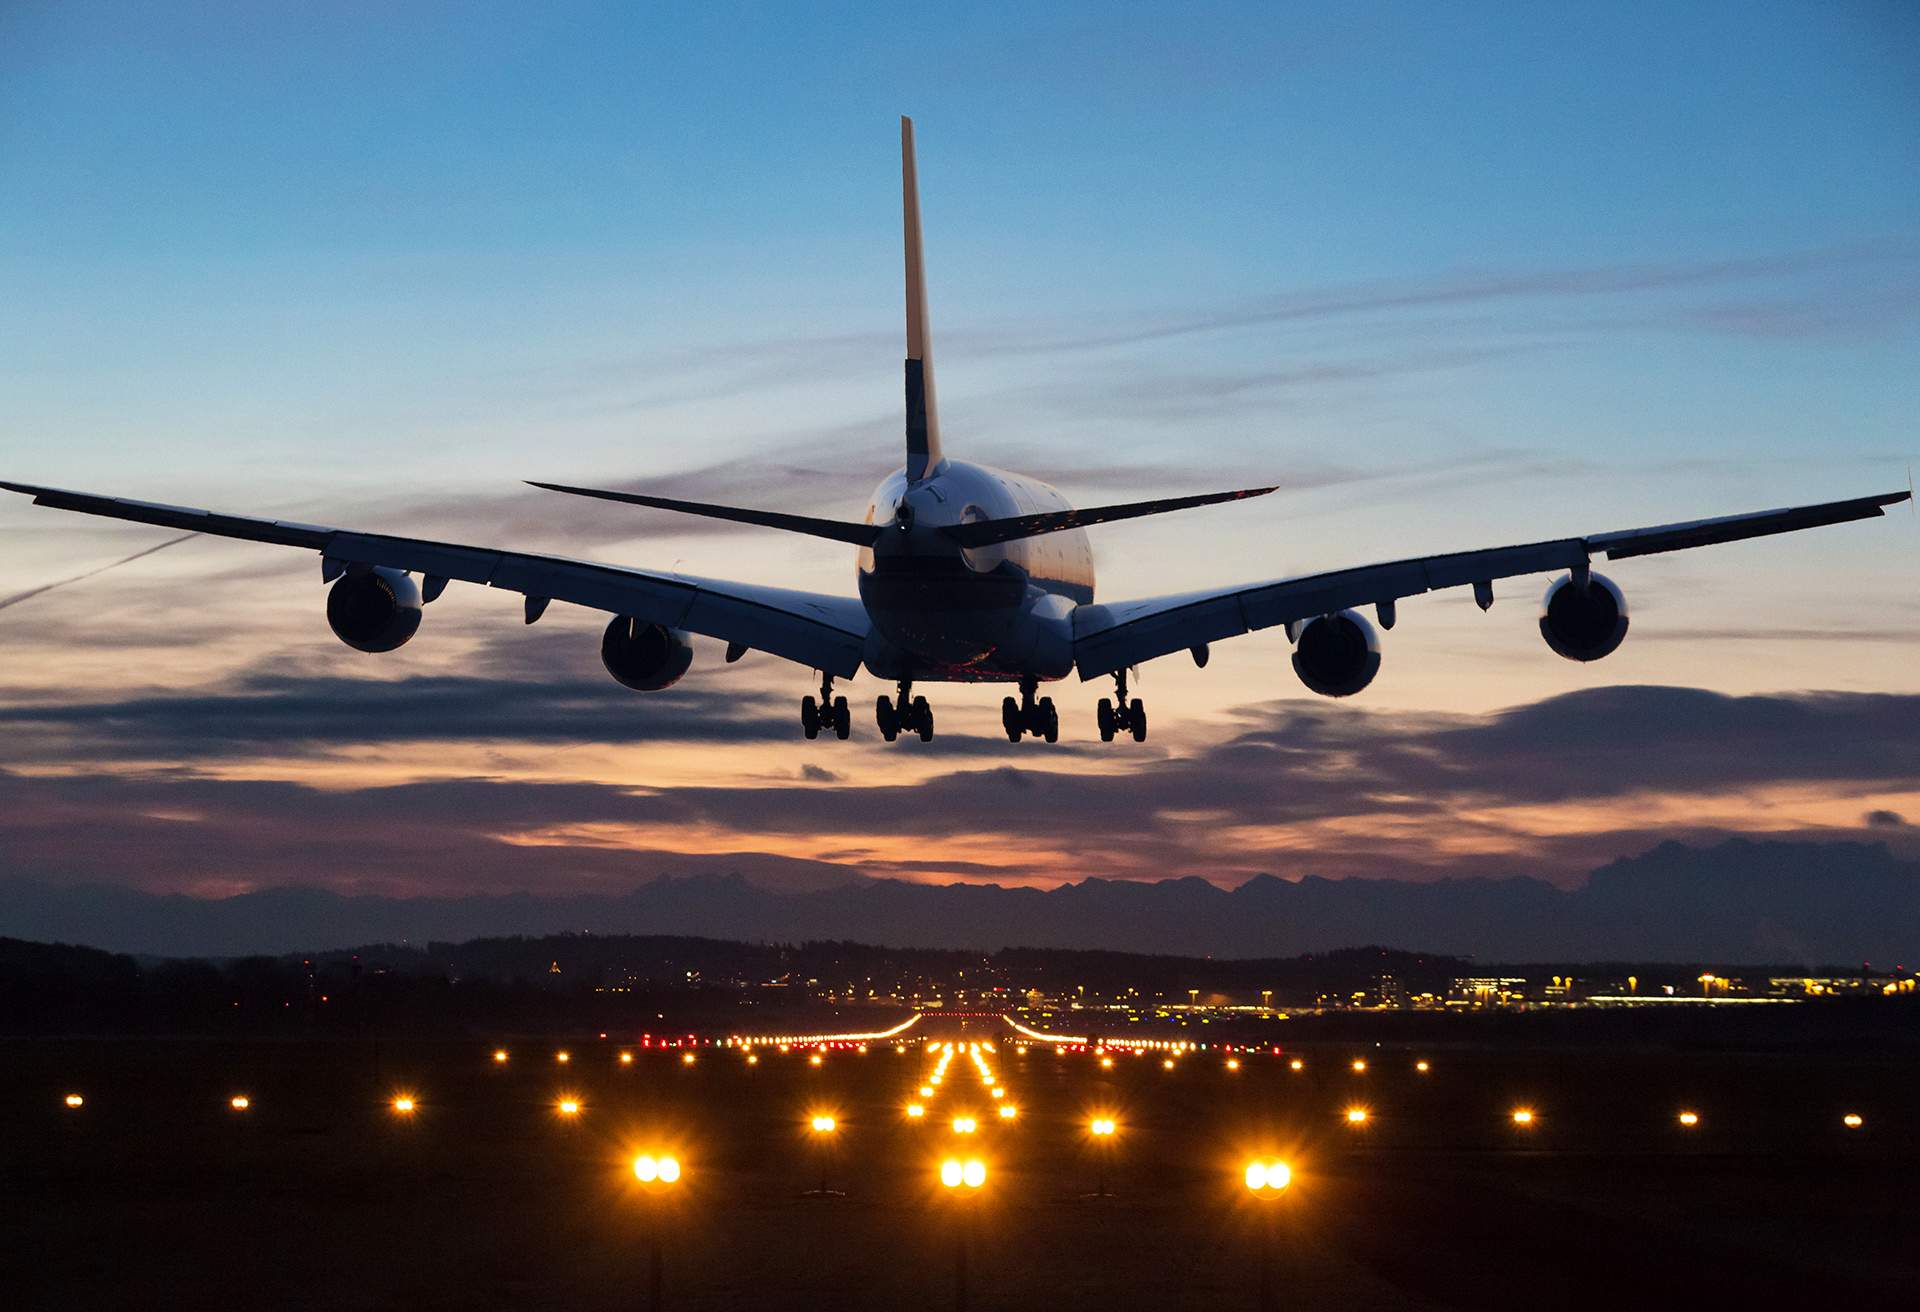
(910, 715)
(1126, 717)
(1028, 715)
(829, 712)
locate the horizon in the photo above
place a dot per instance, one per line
(1602, 273)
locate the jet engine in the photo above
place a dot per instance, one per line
(375, 611)
(1584, 625)
(1336, 655)
(644, 657)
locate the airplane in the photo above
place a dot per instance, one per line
(965, 574)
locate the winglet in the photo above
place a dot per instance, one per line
(923, 415)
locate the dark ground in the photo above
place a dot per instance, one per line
(156, 1195)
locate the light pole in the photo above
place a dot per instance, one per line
(823, 1128)
(1102, 1130)
(1267, 1181)
(656, 1175)
(962, 1180)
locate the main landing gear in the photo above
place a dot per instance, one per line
(1127, 717)
(910, 716)
(829, 712)
(1029, 716)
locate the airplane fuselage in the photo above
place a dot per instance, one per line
(945, 612)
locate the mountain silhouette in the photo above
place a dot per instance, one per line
(1736, 902)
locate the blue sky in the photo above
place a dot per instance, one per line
(1453, 275)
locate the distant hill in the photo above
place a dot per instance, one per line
(1737, 902)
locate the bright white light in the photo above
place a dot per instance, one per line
(974, 1174)
(951, 1173)
(823, 1125)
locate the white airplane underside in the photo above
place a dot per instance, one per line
(966, 574)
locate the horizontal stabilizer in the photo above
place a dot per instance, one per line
(860, 535)
(988, 531)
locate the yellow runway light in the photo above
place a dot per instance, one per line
(823, 1125)
(1522, 1116)
(403, 1104)
(964, 1125)
(568, 1106)
(1007, 1111)
(1101, 1126)
(915, 1111)
(1689, 1119)
(1268, 1178)
(656, 1170)
(499, 1056)
(1852, 1120)
(239, 1102)
(1356, 1116)
(75, 1101)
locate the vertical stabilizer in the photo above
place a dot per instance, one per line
(923, 416)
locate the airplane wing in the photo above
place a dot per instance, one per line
(822, 632)
(1113, 637)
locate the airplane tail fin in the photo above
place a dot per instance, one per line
(923, 415)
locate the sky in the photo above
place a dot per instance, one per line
(1450, 276)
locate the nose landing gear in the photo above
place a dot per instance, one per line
(909, 716)
(1029, 716)
(829, 712)
(1126, 717)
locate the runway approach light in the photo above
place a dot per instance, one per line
(1356, 1116)
(955, 1173)
(1268, 1179)
(75, 1101)
(1106, 1063)
(1101, 1127)
(1359, 1066)
(815, 1060)
(999, 1092)
(403, 1105)
(823, 1125)
(915, 1111)
(752, 1059)
(563, 1056)
(926, 1091)
(626, 1059)
(1296, 1065)
(1167, 1064)
(1852, 1120)
(1233, 1063)
(656, 1170)
(568, 1107)
(1689, 1119)
(1422, 1067)
(239, 1102)
(686, 1059)
(964, 1125)
(1522, 1116)
(1008, 1111)
(499, 1056)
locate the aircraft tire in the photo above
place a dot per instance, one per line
(1010, 719)
(1137, 720)
(809, 717)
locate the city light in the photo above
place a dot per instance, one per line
(823, 1125)
(1356, 1116)
(568, 1106)
(403, 1104)
(1522, 1116)
(1852, 1120)
(1268, 1178)
(239, 1102)
(75, 1101)
(656, 1170)
(1689, 1119)
(1101, 1127)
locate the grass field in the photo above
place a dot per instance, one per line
(156, 1193)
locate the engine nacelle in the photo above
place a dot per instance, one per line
(1336, 655)
(1584, 626)
(644, 657)
(375, 611)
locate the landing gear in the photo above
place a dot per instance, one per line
(1029, 716)
(910, 716)
(829, 712)
(1126, 717)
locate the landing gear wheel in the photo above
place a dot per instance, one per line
(1137, 720)
(842, 721)
(809, 717)
(1105, 718)
(1049, 720)
(887, 717)
(923, 719)
(1010, 718)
